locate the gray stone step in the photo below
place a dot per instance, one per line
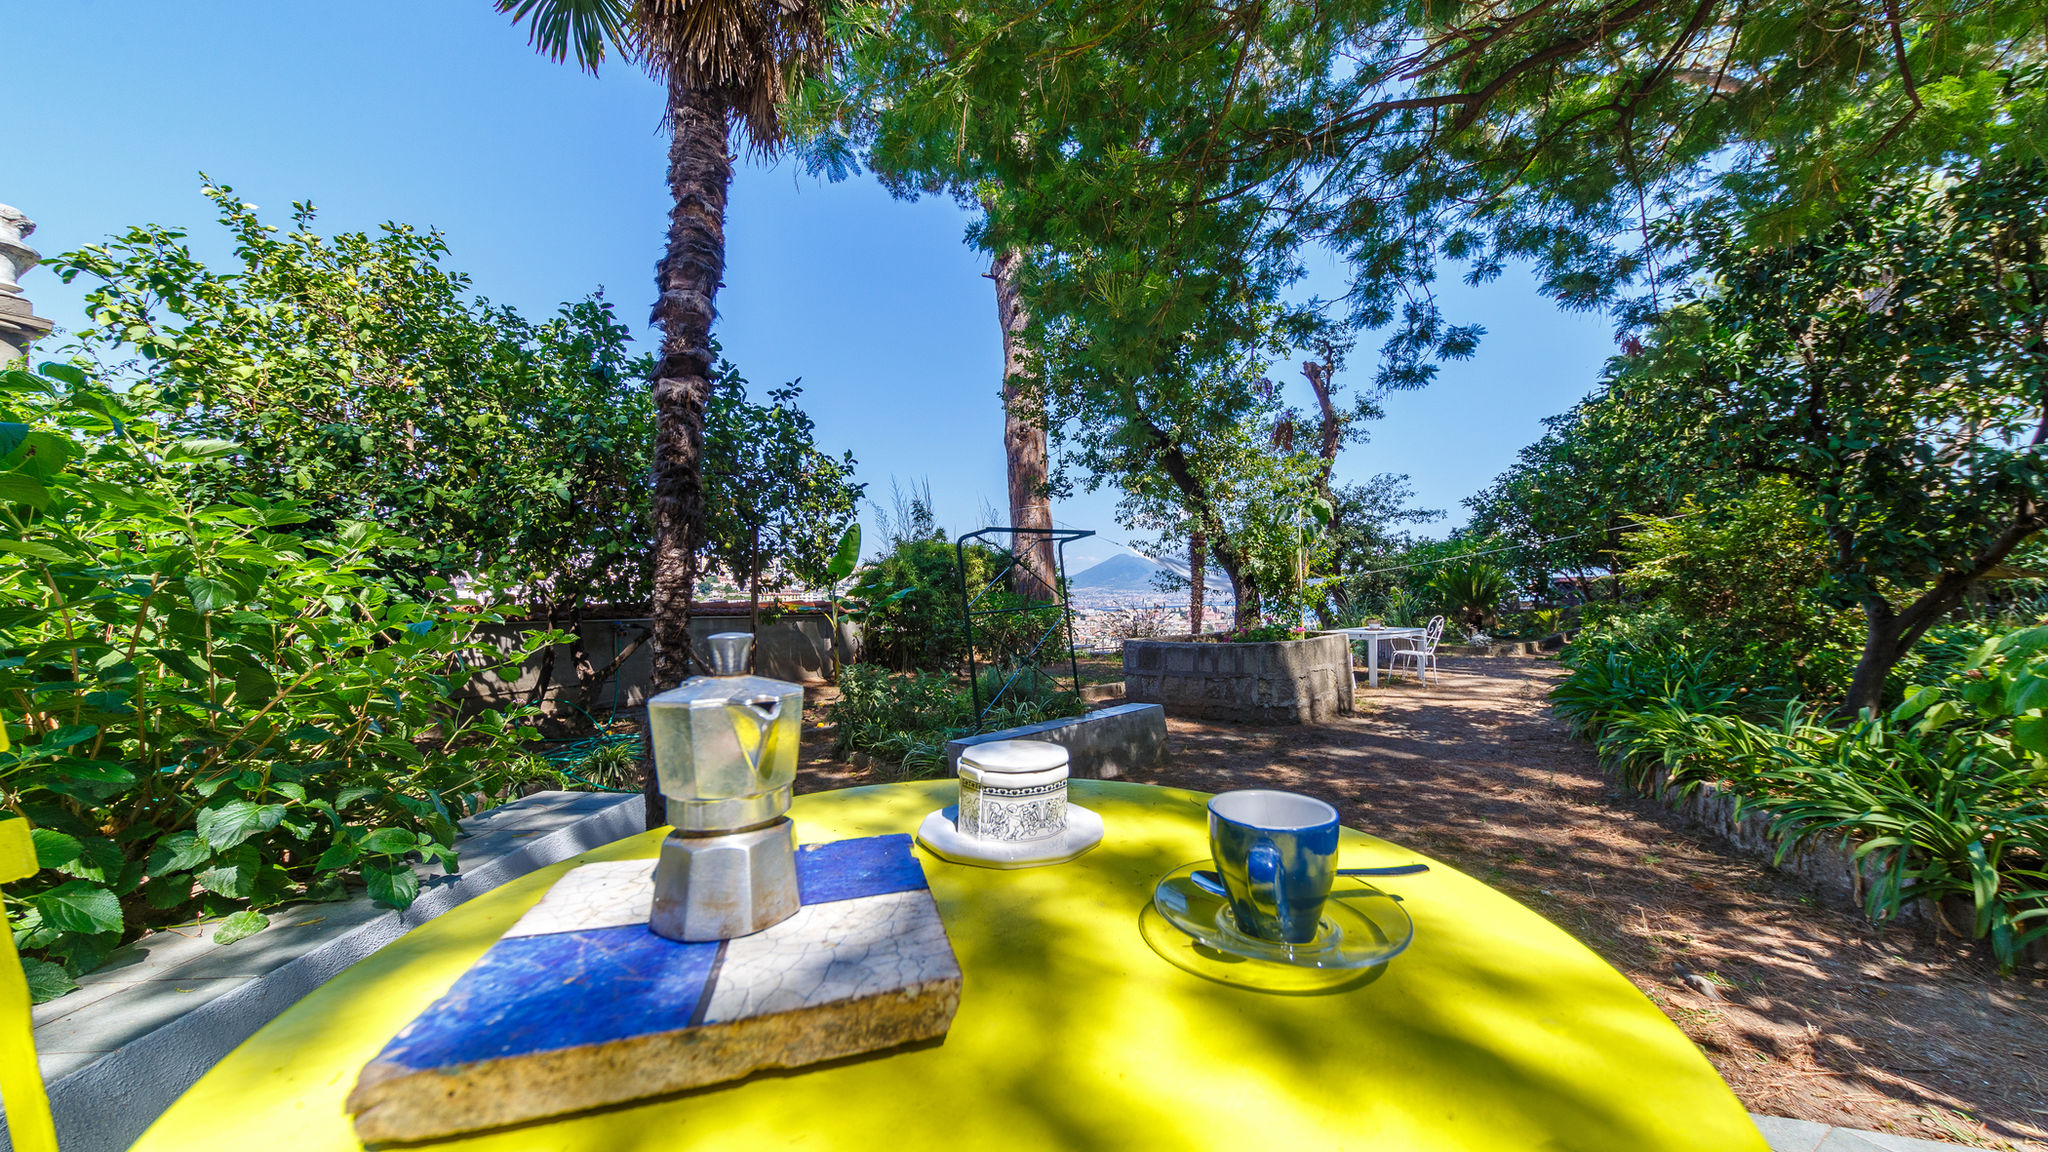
(1785, 1135)
(145, 1026)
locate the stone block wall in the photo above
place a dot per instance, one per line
(1106, 744)
(1278, 682)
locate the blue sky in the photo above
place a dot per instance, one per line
(549, 184)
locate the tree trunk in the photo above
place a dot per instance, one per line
(1330, 429)
(1880, 652)
(754, 591)
(1198, 563)
(688, 276)
(1247, 614)
(546, 679)
(1024, 450)
(700, 173)
(1195, 498)
(579, 653)
(1890, 634)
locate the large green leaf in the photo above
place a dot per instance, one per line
(2028, 693)
(240, 926)
(78, 906)
(36, 549)
(21, 488)
(228, 824)
(99, 860)
(233, 874)
(199, 448)
(67, 736)
(390, 842)
(46, 981)
(54, 849)
(68, 373)
(178, 852)
(2031, 733)
(846, 556)
(395, 886)
(209, 595)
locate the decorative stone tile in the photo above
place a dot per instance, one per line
(580, 1005)
(846, 950)
(613, 894)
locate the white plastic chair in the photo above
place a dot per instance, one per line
(1420, 650)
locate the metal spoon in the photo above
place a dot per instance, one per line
(1211, 883)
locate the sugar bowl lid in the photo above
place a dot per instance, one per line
(1008, 756)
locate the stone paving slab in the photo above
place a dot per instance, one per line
(146, 1025)
(1786, 1135)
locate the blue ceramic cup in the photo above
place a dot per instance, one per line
(1277, 855)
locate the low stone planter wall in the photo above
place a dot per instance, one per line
(1826, 863)
(1272, 682)
(1106, 744)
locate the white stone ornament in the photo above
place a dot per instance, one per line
(1013, 810)
(16, 257)
(19, 324)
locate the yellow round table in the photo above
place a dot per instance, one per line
(1494, 1031)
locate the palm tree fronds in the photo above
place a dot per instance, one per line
(582, 28)
(752, 52)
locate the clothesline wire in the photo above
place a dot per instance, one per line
(1519, 547)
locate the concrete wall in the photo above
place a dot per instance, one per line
(1277, 682)
(795, 647)
(1106, 744)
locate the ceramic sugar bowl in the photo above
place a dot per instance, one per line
(1013, 790)
(1013, 810)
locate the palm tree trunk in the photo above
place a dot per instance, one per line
(699, 175)
(1023, 440)
(754, 591)
(1198, 576)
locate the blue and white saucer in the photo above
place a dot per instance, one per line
(1193, 929)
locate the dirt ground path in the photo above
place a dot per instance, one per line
(1807, 1011)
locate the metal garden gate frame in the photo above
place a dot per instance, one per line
(1060, 538)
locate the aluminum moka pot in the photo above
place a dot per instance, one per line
(725, 755)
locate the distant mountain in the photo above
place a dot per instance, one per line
(1128, 572)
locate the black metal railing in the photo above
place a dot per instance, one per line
(1060, 611)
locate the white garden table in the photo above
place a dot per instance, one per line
(1372, 638)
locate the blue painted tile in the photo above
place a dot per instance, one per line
(570, 989)
(543, 993)
(850, 869)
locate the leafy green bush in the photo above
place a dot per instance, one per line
(610, 763)
(1262, 634)
(1943, 817)
(912, 597)
(1754, 564)
(1470, 592)
(906, 719)
(1948, 793)
(209, 717)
